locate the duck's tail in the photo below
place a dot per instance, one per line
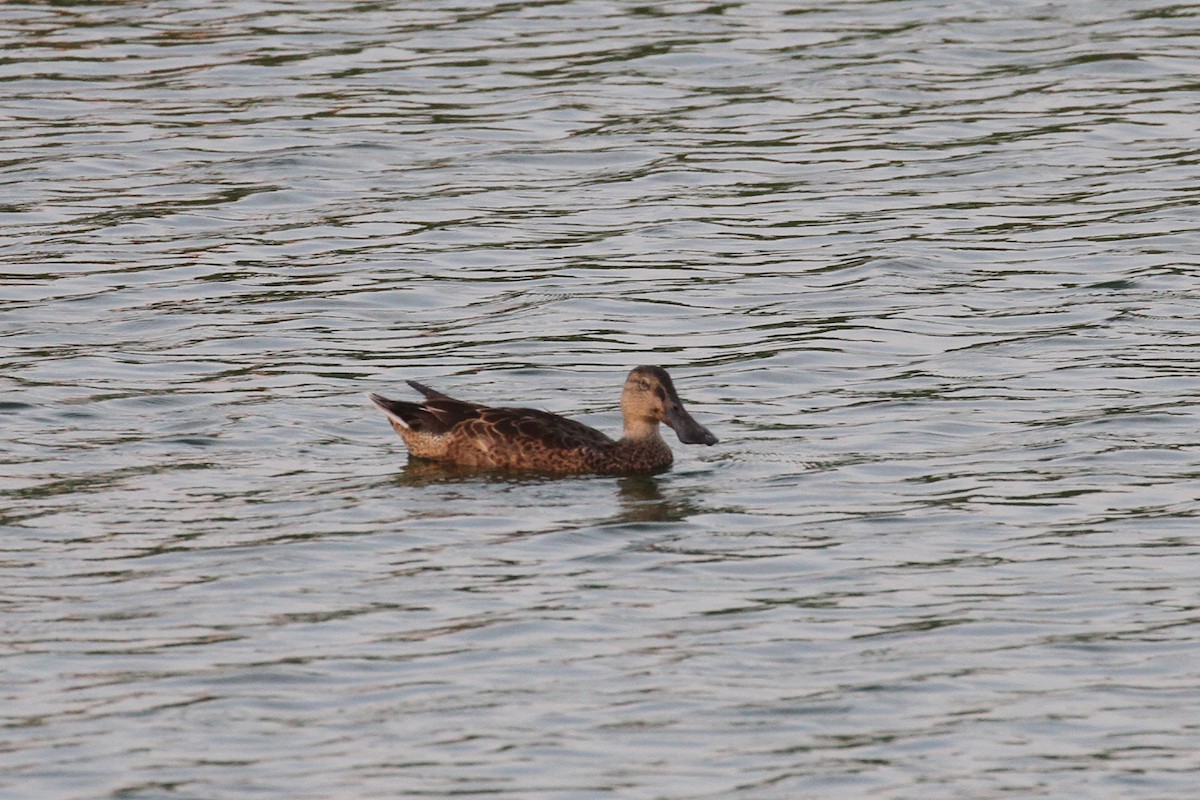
(399, 412)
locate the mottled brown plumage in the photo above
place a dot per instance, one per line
(455, 431)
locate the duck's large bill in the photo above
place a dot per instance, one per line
(687, 429)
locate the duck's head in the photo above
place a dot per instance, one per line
(649, 398)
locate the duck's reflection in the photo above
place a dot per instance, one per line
(642, 500)
(424, 472)
(642, 497)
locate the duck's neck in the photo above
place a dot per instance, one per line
(641, 430)
(641, 449)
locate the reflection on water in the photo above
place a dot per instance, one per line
(926, 269)
(641, 497)
(643, 500)
(418, 472)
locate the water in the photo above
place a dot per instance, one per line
(927, 269)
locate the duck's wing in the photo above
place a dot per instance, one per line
(502, 427)
(540, 428)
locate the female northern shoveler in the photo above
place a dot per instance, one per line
(444, 429)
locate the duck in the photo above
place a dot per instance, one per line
(441, 428)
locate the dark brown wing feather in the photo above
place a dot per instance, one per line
(432, 394)
(548, 430)
(443, 414)
(446, 413)
(528, 427)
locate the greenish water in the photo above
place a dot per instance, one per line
(928, 270)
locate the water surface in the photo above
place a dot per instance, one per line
(927, 270)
